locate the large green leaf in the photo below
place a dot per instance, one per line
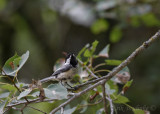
(9, 87)
(54, 91)
(24, 93)
(14, 64)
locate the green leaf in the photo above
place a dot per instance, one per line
(14, 64)
(121, 99)
(105, 51)
(109, 90)
(82, 51)
(2, 106)
(58, 90)
(94, 45)
(24, 93)
(9, 87)
(113, 62)
(67, 110)
(138, 111)
(4, 95)
(150, 20)
(115, 35)
(99, 26)
(128, 84)
(85, 108)
(87, 53)
(135, 21)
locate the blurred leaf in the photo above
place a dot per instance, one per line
(14, 64)
(115, 35)
(24, 93)
(150, 20)
(138, 111)
(99, 26)
(135, 21)
(4, 95)
(121, 99)
(2, 4)
(113, 62)
(9, 87)
(105, 51)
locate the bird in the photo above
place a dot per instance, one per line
(66, 72)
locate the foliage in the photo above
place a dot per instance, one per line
(12, 94)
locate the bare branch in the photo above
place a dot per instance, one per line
(92, 74)
(104, 98)
(103, 79)
(110, 102)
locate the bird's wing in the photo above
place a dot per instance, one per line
(64, 68)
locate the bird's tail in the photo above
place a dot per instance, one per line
(48, 79)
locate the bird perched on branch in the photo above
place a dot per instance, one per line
(66, 72)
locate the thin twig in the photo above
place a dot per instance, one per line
(104, 98)
(92, 74)
(62, 110)
(113, 72)
(110, 102)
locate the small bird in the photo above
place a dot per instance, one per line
(66, 72)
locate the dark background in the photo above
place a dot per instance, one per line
(49, 27)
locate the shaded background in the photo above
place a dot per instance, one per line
(48, 27)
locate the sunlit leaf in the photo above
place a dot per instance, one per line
(24, 93)
(121, 99)
(94, 45)
(87, 53)
(105, 51)
(99, 26)
(113, 62)
(14, 64)
(115, 35)
(58, 64)
(138, 111)
(82, 50)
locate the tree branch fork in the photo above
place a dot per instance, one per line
(96, 82)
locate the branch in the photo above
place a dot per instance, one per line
(103, 79)
(92, 74)
(104, 98)
(110, 102)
